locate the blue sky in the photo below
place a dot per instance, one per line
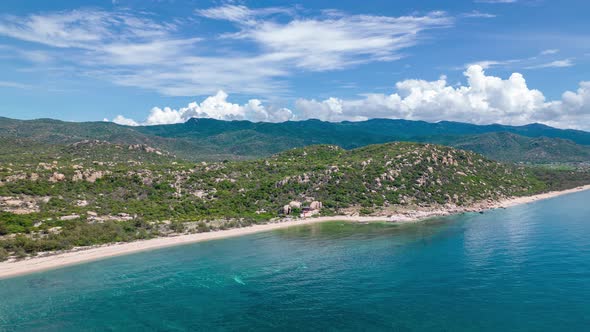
(164, 61)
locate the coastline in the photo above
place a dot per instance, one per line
(83, 255)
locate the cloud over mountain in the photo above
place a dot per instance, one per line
(215, 107)
(483, 99)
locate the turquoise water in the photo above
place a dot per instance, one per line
(526, 268)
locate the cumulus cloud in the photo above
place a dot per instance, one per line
(483, 100)
(573, 111)
(119, 119)
(214, 107)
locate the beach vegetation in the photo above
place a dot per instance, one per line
(93, 192)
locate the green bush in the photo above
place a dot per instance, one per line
(177, 226)
(20, 253)
(202, 227)
(365, 211)
(3, 254)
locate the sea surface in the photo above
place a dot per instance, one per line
(525, 268)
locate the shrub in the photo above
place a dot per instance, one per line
(20, 253)
(3, 254)
(203, 227)
(177, 226)
(365, 211)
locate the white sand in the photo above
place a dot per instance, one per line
(53, 261)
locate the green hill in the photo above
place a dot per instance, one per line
(508, 147)
(211, 140)
(96, 192)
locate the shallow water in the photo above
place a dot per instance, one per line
(526, 268)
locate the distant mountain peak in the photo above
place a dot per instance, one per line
(211, 139)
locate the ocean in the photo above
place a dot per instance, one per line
(525, 268)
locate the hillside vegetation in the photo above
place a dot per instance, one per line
(56, 197)
(214, 140)
(510, 147)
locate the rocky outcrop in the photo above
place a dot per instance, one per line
(89, 175)
(57, 177)
(316, 205)
(21, 204)
(287, 209)
(70, 217)
(145, 148)
(93, 217)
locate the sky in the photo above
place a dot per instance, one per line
(146, 62)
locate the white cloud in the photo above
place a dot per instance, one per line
(138, 49)
(229, 12)
(255, 111)
(86, 29)
(215, 107)
(553, 64)
(486, 64)
(134, 50)
(332, 42)
(14, 85)
(119, 119)
(550, 51)
(163, 116)
(572, 111)
(192, 75)
(484, 100)
(578, 102)
(532, 62)
(142, 54)
(478, 14)
(241, 14)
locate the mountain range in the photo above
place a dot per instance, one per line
(67, 184)
(215, 140)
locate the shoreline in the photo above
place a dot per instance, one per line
(83, 255)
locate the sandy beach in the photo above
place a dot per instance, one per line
(82, 255)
